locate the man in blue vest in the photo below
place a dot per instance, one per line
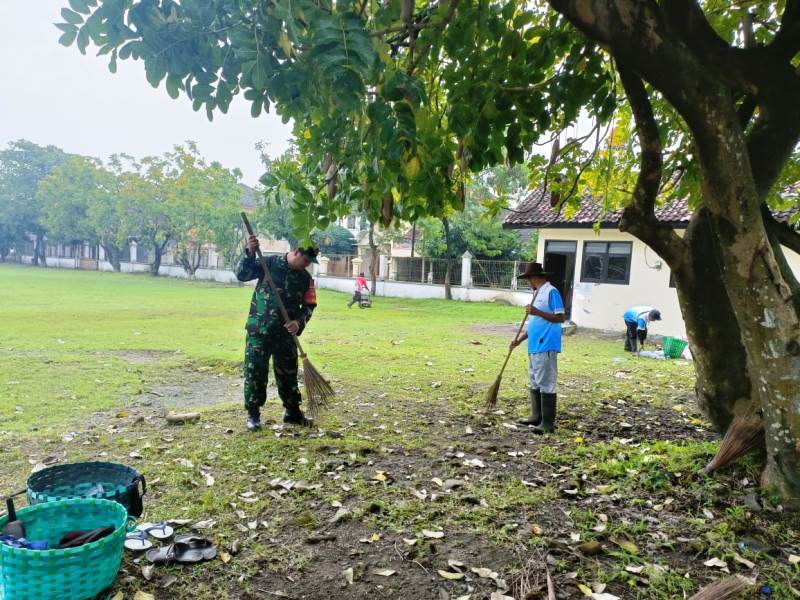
(636, 320)
(544, 344)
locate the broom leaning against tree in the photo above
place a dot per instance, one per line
(269, 334)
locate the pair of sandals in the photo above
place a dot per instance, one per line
(185, 548)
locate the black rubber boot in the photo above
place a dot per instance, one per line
(253, 419)
(292, 415)
(548, 423)
(536, 409)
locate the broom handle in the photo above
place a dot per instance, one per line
(521, 325)
(272, 285)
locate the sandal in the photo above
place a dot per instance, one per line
(192, 551)
(160, 531)
(137, 541)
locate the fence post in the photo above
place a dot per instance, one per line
(383, 267)
(514, 276)
(422, 277)
(322, 268)
(466, 269)
(134, 251)
(356, 266)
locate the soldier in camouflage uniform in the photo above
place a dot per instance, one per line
(268, 335)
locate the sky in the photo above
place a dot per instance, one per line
(55, 95)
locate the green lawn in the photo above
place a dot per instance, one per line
(90, 362)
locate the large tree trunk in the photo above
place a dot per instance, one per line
(113, 256)
(38, 251)
(158, 255)
(759, 292)
(722, 381)
(373, 263)
(156, 264)
(448, 291)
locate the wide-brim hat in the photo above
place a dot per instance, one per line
(310, 253)
(534, 269)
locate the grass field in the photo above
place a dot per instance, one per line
(91, 362)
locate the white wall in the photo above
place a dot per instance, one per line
(403, 289)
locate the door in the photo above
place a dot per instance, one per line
(559, 259)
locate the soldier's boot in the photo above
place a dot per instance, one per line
(536, 409)
(548, 423)
(292, 415)
(253, 418)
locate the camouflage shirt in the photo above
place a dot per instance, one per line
(296, 289)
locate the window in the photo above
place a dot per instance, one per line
(606, 262)
(351, 222)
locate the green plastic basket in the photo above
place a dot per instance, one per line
(72, 573)
(673, 347)
(108, 481)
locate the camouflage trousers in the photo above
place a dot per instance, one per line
(259, 348)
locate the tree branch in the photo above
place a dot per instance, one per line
(786, 42)
(783, 232)
(639, 217)
(437, 27)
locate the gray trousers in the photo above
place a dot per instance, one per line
(543, 371)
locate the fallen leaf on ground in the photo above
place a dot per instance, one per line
(207, 524)
(483, 572)
(409, 541)
(420, 494)
(143, 596)
(455, 564)
(716, 562)
(340, 515)
(185, 462)
(118, 596)
(604, 597)
(225, 557)
(147, 572)
(348, 575)
(585, 590)
(626, 545)
(634, 569)
(794, 559)
(500, 596)
(435, 535)
(742, 560)
(384, 572)
(475, 462)
(450, 574)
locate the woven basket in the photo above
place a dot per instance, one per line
(72, 573)
(673, 347)
(108, 481)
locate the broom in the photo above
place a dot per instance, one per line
(723, 589)
(491, 394)
(318, 390)
(745, 432)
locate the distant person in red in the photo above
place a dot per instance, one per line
(361, 284)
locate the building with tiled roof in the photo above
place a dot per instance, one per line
(602, 271)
